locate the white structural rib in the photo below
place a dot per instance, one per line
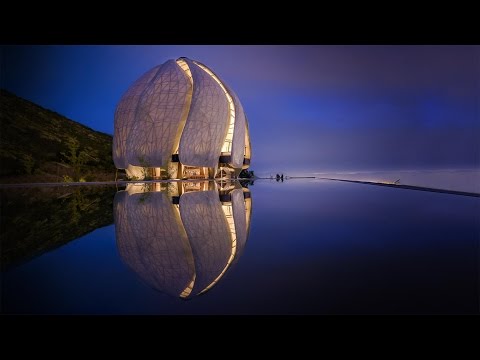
(248, 145)
(238, 143)
(204, 133)
(125, 117)
(227, 144)
(184, 66)
(159, 115)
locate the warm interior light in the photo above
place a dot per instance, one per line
(227, 144)
(189, 288)
(248, 211)
(248, 150)
(186, 292)
(186, 69)
(184, 66)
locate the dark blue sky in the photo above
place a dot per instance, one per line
(310, 108)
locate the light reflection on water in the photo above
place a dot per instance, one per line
(314, 247)
(467, 180)
(182, 237)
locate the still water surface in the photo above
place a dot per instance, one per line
(304, 246)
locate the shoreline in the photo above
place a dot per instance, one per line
(125, 182)
(87, 183)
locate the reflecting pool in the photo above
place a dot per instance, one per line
(302, 246)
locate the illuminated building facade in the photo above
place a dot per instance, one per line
(182, 237)
(179, 120)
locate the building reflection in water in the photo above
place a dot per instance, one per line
(182, 237)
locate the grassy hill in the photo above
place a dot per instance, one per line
(39, 145)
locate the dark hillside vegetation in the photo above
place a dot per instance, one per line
(39, 145)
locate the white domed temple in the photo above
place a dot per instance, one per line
(179, 120)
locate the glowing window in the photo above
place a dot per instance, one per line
(184, 66)
(188, 289)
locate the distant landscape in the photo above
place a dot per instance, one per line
(40, 145)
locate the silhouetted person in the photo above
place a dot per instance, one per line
(281, 177)
(278, 177)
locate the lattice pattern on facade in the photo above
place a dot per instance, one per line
(180, 106)
(125, 117)
(208, 233)
(158, 116)
(238, 144)
(206, 126)
(152, 241)
(238, 207)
